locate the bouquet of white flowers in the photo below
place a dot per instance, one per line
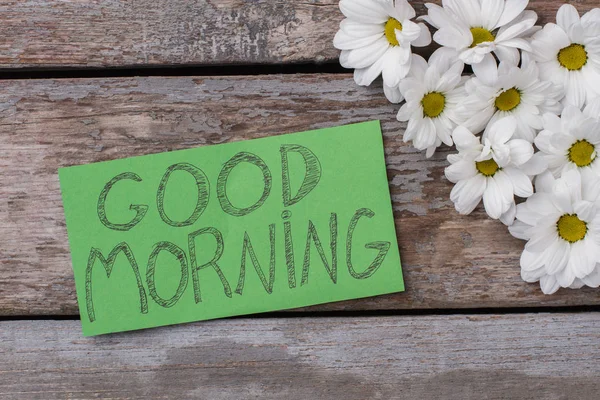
(525, 123)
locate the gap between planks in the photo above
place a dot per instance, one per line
(291, 313)
(177, 70)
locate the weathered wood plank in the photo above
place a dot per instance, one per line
(449, 261)
(117, 33)
(472, 357)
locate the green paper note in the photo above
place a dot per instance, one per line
(231, 229)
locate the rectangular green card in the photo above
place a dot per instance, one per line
(231, 229)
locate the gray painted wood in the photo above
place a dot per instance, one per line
(85, 33)
(450, 261)
(464, 357)
(118, 33)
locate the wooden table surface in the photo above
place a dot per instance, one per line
(93, 80)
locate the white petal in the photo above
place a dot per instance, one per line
(540, 240)
(549, 284)
(543, 140)
(573, 180)
(547, 42)
(506, 189)
(366, 11)
(491, 11)
(426, 136)
(521, 151)
(517, 27)
(492, 199)
(343, 41)
(392, 93)
(566, 277)
(396, 64)
(502, 130)
(539, 203)
(357, 29)
(512, 8)
(453, 37)
(575, 89)
(344, 58)
(430, 151)
(424, 38)
(519, 230)
(557, 256)
(368, 55)
(464, 169)
(585, 210)
(366, 76)
(544, 182)
(591, 185)
(562, 197)
(418, 66)
(487, 70)
(410, 32)
(572, 114)
(533, 276)
(468, 11)
(507, 54)
(581, 264)
(517, 43)
(442, 130)
(577, 34)
(566, 16)
(404, 10)
(592, 109)
(535, 166)
(593, 279)
(467, 194)
(443, 58)
(464, 139)
(521, 182)
(476, 54)
(436, 16)
(590, 19)
(432, 76)
(477, 122)
(405, 111)
(414, 121)
(508, 218)
(450, 78)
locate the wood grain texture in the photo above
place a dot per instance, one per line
(450, 261)
(119, 33)
(472, 357)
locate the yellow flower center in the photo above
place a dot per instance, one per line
(571, 228)
(481, 35)
(433, 104)
(487, 167)
(390, 30)
(582, 153)
(572, 57)
(508, 100)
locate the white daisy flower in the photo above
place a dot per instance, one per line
(496, 171)
(573, 140)
(499, 91)
(433, 92)
(568, 53)
(476, 28)
(561, 223)
(376, 38)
